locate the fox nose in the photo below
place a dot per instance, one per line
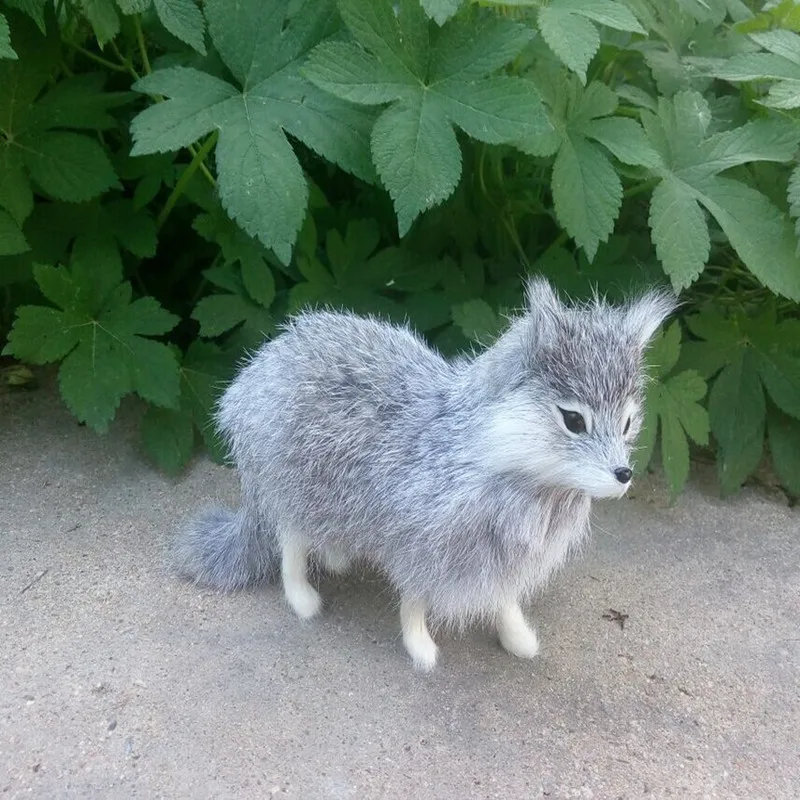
(623, 474)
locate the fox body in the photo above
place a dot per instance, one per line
(467, 482)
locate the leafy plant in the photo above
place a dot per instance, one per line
(177, 177)
(673, 410)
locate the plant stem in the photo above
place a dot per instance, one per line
(186, 176)
(126, 64)
(137, 24)
(644, 186)
(99, 59)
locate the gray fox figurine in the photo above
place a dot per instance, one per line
(466, 482)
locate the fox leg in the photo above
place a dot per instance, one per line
(416, 638)
(516, 635)
(300, 594)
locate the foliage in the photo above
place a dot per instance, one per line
(177, 177)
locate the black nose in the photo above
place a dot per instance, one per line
(623, 474)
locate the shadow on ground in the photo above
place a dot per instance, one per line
(119, 681)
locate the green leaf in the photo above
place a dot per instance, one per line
(737, 409)
(573, 38)
(56, 284)
(183, 19)
(759, 140)
(428, 309)
(664, 350)
(260, 180)
(474, 46)
(198, 102)
(605, 12)
(783, 95)
(646, 441)
(32, 8)
(492, 110)
(566, 26)
(762, 236)
(93, 379)
(204, 371)
(105, 352)
(477, 320)
(625, 139)
(21, 80)
(168, 437)
(258, 280)
(260, 175)
(77, 102)
(12, 240)
(417, 157)
(777, 352)
(129, 7)
(6, 50)
(672, 404)
(353, 75)
(68, 166)
(334, 130)
(218, 313)
(103, 18)
(784, 445)
(42, 335)
(15, 189)
(756, 66)
(681, 415)
(685, 391)
(680, 231)
(794, 202)
(441, 10)
(587, 193)
(674, 448)
(433, 82)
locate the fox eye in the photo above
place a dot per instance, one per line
(574, 422)
(627, 427)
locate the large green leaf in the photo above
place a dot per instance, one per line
(761, 234)
(68, 166)
(432, 83)
(12, 240)
(261, 183)
(680, 231)
(441, 10)
(784, 445)
(737, 409)
(6, 50)
(105, 350)
(183, 19)
(587, 193)
(794, 203)
(568, 28)
(673, 409)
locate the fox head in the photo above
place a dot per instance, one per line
(573, 405)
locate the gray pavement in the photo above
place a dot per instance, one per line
(119, 681)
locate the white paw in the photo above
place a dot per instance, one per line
(304, 599)
(520, 641)
(422, 649)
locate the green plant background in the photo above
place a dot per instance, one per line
(176, 177)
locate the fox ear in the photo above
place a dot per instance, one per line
(645, 314)
(544, 308)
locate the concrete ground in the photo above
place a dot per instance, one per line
(119, 681)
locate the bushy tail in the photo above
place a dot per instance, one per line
(226, 550)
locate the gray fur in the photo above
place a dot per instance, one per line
(455, 478)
